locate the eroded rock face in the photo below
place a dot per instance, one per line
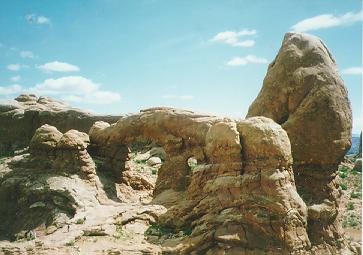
(64, 153)
(240, 197)
(302, 91)
(20, 118)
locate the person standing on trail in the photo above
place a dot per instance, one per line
(68, 227)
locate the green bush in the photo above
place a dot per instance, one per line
(154, 171)
(344, 169)
(355, 171)
(138, 161)
(350, 206)
(81, 221)
(350, 221)
(355, 194)
(120, 233)
(70, 243)
(344, 186)
(343, 175)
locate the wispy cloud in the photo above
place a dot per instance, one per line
(234, 38)
(353, 71)
(37, 19)
(12, 89)
(14, 67)
(241, 61)
(76, 89)
(327, 20)
(15, 78)
(183, 97)
(57, 66)
(27, 54)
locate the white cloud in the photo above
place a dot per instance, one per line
(97, 97)
(57, 66)
(241, 61)
(12, 89)
(183, 97)
(15, 78)
(233, 38)
(353, 71)
(26, 54)
(14, 67)
(37, 19)
(326, 21)
(76, 89)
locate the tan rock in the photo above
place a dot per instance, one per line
(45, 138)
(20, 118)
(302, 91)
(63, 153)
(240, 194)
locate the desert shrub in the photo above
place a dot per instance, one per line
(81, 221)
(355, 194)
(343, 175)
(120, 233)
(70, 243)
(344, 169)
(350, 221)
(350, 206)
(355, 171)
(138, 161)
(344, 186)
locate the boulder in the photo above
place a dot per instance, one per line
(303, 92)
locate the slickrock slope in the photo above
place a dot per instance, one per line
(303, 92)
(20, 118)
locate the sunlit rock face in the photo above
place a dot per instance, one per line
(19, 118)
(241, 194)
(64, 153)
(302, 91)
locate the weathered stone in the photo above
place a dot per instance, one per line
(45, 138)
(20, 118)
(302, 91)
(243, 184)
(63, 153)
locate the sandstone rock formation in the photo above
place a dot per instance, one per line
(64, 153)
(20, 118)
(239, 199)
(303, 92)
(264, 185)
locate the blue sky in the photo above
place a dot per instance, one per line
(113, 56)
